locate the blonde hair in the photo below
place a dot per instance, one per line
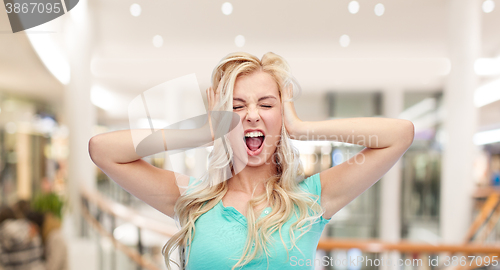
(282, 190)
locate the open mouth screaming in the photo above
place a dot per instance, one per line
(254, 141)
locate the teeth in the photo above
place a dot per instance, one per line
(254, 134)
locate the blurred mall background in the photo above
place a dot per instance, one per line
(434, 62)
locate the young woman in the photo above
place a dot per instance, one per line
(253, 209)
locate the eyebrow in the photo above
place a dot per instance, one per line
(260, 99)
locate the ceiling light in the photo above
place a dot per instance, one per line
(135, 10)
(345, 40)
(486, 137)
(488, 6)
(157, 41)
(227, 8)
(487, 93)
(239, 40)
(353, 7)
(379, 9)
(487, 66)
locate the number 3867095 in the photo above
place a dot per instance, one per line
(33, 7)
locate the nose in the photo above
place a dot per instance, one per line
(253, 115)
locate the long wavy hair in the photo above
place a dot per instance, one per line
(282, 191)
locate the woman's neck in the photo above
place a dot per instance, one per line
(250, 180)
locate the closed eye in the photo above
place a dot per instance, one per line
(267, 106)
(237, 107)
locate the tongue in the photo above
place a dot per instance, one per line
(253, 143)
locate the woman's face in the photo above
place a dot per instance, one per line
(257, 101)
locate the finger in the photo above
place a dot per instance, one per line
(288, 93)
(209, 98)
(220, 86)
(212, 101)
(215, 98)
(210, 108)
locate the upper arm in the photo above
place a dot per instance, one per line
(343, 183)
(157, 187)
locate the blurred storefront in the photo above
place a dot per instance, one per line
(33, 149)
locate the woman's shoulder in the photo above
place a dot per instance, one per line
(193, 182)
(311, 184)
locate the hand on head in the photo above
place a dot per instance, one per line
(213, 102)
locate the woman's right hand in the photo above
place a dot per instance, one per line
(212, 99)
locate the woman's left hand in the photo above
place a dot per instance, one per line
(292, 121)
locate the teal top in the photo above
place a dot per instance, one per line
(221, 233)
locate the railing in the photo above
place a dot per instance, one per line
(118, 211)
(489, 214)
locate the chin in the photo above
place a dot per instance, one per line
(261, 159)
(255, 162)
